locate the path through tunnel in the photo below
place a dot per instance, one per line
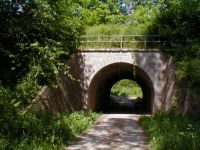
(99, 98)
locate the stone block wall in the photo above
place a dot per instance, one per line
(72, 92)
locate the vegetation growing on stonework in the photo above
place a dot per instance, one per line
(37, 35)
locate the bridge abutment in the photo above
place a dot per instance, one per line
(94, 73)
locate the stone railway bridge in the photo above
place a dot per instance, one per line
(94, 72)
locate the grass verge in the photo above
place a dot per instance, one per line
(171, 131)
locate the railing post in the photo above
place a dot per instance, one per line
(121, 44)
(99, 38)
(145, 43)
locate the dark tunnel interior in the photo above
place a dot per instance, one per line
(102, 82)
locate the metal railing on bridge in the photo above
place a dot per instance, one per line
(109, 42)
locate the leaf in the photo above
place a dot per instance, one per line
(17, 104)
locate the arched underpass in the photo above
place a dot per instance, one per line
(97, 71)
(104, 79)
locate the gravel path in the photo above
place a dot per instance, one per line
(113, 132)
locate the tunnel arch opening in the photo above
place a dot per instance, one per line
(102, 82)
(126, 87)
(126, 96)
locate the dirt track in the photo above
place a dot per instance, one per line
(113, 132)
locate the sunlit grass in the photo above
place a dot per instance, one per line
(116, 29)
(126, 88)
(171, 131)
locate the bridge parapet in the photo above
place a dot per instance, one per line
(122, 42)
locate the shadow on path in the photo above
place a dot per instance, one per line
(125, 105)
(113, 132)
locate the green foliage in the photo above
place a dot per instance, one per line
(118, 35)
(35, 38)
(144, 13)
(188, 74)
(171, 131)
(38, 44)
(97, 12)
(126, 88)
(116, 29)
(40, 131)
(32, 51)
(94, 12)
(180, 21)
(78, 122)
(27, 130)
(136, 23)
(37, 35)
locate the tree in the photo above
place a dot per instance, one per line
(41, 42)
(35, 37)
(181, 21)
(99, 11)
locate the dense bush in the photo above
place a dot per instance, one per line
(180, 21)
(41, 131)
(34, 49)
(35, 38)
(21, 129)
